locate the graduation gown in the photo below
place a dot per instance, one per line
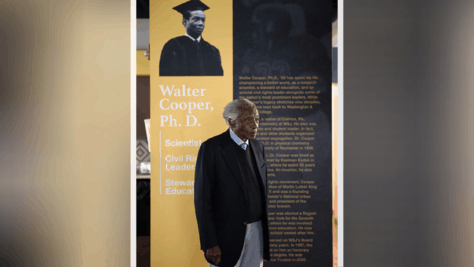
(182, 56)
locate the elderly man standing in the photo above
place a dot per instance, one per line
(230, 192)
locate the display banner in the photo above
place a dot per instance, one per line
(276, 54)
(185, 111)
(282, 63)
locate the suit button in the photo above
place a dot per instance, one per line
(245, 223)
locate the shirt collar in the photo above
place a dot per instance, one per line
(237, 139)
(198, 39)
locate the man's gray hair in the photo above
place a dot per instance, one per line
(234, 109)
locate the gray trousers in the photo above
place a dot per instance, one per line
(252, 252)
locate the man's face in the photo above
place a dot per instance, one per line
(246, 125)
(195, 24)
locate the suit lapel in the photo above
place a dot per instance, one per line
(230, 158)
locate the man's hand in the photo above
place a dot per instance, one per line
(214, 254)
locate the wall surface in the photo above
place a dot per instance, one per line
(143, 64)
(65, 133)
(408, 133)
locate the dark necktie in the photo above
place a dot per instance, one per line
(199, 54)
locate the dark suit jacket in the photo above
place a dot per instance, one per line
(181, 56)
(220, 199)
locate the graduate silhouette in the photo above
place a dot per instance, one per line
(190, 54)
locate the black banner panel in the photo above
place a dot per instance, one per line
(282, 63)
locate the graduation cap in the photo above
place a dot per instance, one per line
(191, 5)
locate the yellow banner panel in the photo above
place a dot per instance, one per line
(185, 111)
